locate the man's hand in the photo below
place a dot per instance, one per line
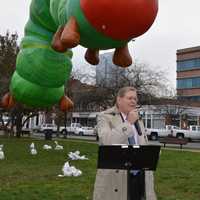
(132, 116)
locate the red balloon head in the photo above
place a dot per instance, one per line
(120, 19)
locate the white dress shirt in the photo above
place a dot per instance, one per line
(135, 133)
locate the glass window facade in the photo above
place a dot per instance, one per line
(188, 64)
(188, 83)
(192, 98)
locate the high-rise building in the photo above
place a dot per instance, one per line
(188, 73)
(107, 73)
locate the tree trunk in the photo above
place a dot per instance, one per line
(18, 123)
(168, 119)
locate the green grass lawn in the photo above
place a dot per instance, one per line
(23, 176)
(178, 176)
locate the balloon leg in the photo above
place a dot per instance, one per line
(122, 57)
(56, 43)
(70, 36)
(92, 56)
(8, 101)
(66, 104)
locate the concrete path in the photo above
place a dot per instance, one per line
(149, 187)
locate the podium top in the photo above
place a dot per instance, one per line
(128, 157)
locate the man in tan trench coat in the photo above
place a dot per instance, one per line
(116, 126)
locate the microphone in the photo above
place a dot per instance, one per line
(136, 123)
(137, 126)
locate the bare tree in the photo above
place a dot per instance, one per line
(86, 74)
(149, 83)
(147, 80)
(8, 53)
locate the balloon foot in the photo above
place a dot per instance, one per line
(92, 56)
(122, 57)
(66, 104)
(8, 101)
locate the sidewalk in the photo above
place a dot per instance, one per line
(178, 149)
(149, 186)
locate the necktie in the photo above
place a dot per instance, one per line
(131, 140)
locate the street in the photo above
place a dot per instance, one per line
(190, 145)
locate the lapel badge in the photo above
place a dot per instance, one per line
(124, 129)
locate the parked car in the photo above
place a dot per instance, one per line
(77, 129)
(72, 128)
(193, 133)
(85, 130)
(46, 127)
(154, 133)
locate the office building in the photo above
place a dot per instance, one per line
(188, 73)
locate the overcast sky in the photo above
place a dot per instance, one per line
(176, 26)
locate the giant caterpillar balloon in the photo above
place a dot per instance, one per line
(44, 61)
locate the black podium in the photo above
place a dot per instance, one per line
(128, 157)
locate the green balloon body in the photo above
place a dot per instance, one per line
(41, 72)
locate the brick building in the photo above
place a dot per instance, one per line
(188, 73)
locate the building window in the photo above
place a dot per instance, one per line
(188, 83)
(188, 64)
(192, 98)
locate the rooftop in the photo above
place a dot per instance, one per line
(188, 50)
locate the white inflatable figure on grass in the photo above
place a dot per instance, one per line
(47, 147)
(58, 147)
(33, 149)
(76, 156)
(70, 171)
(32, 146)
(2, 156)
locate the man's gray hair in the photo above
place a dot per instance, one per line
(122, 91)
